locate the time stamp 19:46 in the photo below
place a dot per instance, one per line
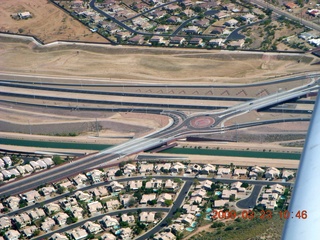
(262, 214)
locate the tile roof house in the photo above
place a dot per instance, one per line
(95, 175)
(147, 197)
(23, 219)
(206, 185)
(58, 236)
(127, 218)
(272, 172)
(223, 171)
(126, 198)
(226, 194)
(13, 202)
(12, 235)
(29, 230)
(147, 217)
(286, 174)
(52, 208)
(126, 233)
(48, 190)
(129, 168)
(100, 191)
(192, 209)
(83, 196)
(92, 227)
(109, 221)
(36, 213)
(237, 186)
(164, 236)
(154, 183)
(163, 197)
(78, 233)
(113, 204)
(7, 160)
(240, 172)
(47, 224)
(135, 184)
(94, 207)
(61, 218)
(220, 203)
(177, 40)
(231, 23)
(5, 222)
(143, 168)
(169, 184)
(76, 212)
(108, 236)
(80, 179)
(116, 187)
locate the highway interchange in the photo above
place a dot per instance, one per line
(195, 124)
(208, 121)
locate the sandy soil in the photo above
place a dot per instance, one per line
(238, 161)
(138, 63)
(48, 23)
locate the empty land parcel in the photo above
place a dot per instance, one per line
(144, 63)
(48, 23)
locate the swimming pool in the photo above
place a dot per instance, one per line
(118, 232)
(198, 215)
(218, 193)
(194, 224)
(208, 217)
(208, 210)
(189, 229)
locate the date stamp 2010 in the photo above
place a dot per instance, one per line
(262, 214)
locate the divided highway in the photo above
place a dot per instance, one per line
(198, 123)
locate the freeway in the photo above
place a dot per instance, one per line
(194, 124)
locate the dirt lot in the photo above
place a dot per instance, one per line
(48, 22)
(141, 63)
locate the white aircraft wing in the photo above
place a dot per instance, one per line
(304, 209)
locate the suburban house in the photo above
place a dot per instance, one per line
(226, 194)
(116, 187)
(231, 23)
(223, 171)
(135, 184)
(272, 172)
(286, 174)
(192, 30)
(220, 203)
(147, 217)
(109, 221)
(94, 207)
(240, 172)
(61, 218)
(113, 204)
(147, 197)
(92, 227)
(80, 179)
(47, 224)
(237, 186)
(78, 234)
(127, 218)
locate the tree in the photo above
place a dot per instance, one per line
(124, 224)
(57, 160)
(118, 173)
(61, 189)
(23, 203)
(244, 185)
(131, 202)
(168, 202)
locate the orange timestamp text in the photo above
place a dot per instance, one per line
(262, 214)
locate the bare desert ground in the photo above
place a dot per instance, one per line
(48, 23)
(143, 64)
